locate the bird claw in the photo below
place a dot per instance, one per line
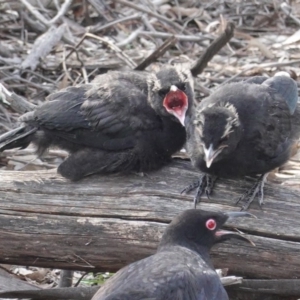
(200, 190)
(207, 192)
(256, 190)
(204, 184)
(190, 187)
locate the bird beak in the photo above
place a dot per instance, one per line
(181, 116)
(173, 88)
(222, 235)
(176, 103)
(237, 214)
(210, 154)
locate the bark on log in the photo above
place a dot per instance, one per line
(105, 222)
(284, 287)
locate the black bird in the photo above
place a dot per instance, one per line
(120, 122)
(244, 128)
(181, 268)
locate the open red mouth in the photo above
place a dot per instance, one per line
(176, 104)
(175, 101)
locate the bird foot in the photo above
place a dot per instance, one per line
(205, 183)
(256, 190)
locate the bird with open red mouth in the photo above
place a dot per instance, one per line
(120, 122)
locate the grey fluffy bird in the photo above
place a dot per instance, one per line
(181, 268)
(120, 122)
(244, 128)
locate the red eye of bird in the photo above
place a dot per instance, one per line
(211, 224)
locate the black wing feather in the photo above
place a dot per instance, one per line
(108, 114)
(285, 87)
(173, 275)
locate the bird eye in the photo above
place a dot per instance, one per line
(163, 92)
(224, 139)
(181, 86)
(211, 224)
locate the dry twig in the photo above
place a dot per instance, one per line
(160, 51)
(213, 49)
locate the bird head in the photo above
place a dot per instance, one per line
(170, 91)
(199, 230)
(217, 131)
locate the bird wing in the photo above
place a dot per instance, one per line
(275, 129)
(286, 88)
(256, 79)
(194, 282)
(119, 106)
(164, 276)
(108, 113)
(273, 135)
(61, 111)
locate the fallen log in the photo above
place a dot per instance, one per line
(285, 287)
(250, 289)
(105, 222)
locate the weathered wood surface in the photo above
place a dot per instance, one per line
(106, 222)
(9, 282)
(284, 287)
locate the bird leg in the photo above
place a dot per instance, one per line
(256, 190)
(205, 183)
(210, 182)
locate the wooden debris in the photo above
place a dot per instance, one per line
(160, 51)
(43, 45)
(56, 223)
(16, 102)
(47, 45)
(213, 49)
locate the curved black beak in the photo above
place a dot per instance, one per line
(222, 235)
(237, 214)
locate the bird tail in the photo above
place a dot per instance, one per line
(17, 138)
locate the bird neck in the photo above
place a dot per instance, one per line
(189, 116)
(202, 251)
(172, 136)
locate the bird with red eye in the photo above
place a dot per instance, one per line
(211, 224)
(181, 268)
